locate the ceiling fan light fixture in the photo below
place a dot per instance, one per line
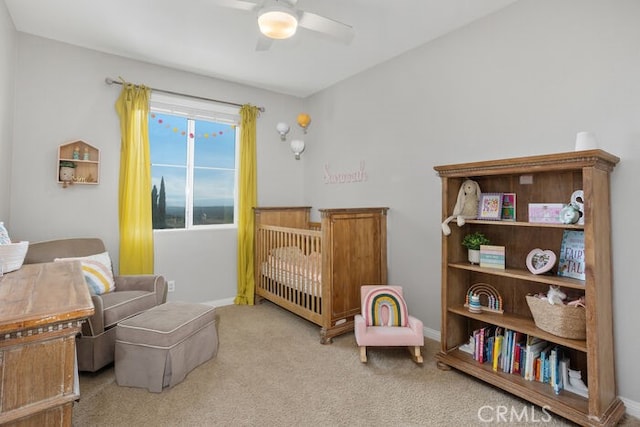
(277, 22)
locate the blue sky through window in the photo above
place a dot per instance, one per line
(213, 167)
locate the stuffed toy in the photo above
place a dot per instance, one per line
(466, 206)
(555, 295)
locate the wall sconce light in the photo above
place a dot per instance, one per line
(303, 121)
(297, 146)
(283, 130)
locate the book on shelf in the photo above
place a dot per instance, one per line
(480, 344)
(496, 355)
(504, 356)
(545, 363)
(555, 374)
(516, 344)
(492, 256)
(509, 206)
(571, 261)
(534, 347)
(480, 355)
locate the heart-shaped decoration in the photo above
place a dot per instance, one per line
(540, 261)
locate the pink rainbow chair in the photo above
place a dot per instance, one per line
(385, 322)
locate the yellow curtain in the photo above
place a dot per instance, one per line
(134, 208)
(247, 196)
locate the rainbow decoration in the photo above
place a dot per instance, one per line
(490, 299)
(385, 306)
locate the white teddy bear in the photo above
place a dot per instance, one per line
(466, 206)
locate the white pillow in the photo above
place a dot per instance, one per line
(4, 235)
(97, 272)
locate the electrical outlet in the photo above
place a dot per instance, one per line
(171, 285)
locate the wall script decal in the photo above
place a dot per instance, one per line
(344, 177)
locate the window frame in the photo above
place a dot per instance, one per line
(193, 110)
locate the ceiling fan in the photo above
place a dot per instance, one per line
(279, 19)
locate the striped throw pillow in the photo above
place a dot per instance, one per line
(97, 272)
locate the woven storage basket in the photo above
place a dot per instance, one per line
(12, 256)
(562, 320)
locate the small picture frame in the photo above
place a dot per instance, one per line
(509, 206)
(490, 206)
(540, 261)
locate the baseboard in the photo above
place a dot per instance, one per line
(220, 302)
(431, 333)
(632, 407)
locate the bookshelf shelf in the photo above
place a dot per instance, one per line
(550, 179)
(519, 323)
(533, 391)
(525, 224)
(523, 275)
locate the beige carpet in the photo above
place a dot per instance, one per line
(271, 370)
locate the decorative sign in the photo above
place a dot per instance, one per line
(492, 256)
(359, 175)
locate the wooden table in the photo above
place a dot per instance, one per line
(42, 307)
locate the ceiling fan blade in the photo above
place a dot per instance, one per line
(264, 43)
(237, 4)
(321, 24)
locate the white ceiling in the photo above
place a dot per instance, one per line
(202, 37)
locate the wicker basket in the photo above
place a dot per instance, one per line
(12, 256)
(561, 320)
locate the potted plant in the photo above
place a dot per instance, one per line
(472, 242)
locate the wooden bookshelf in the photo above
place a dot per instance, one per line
(549, 179)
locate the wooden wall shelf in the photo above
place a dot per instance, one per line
(86, 163)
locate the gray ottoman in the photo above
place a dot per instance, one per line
(159, 347)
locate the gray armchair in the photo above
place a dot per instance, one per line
(133, 295)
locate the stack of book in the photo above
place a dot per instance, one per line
(516, 353)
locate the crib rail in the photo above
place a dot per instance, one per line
(288, 269)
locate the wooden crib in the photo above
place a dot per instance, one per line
(315, 270)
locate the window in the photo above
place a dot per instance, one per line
(193, 148)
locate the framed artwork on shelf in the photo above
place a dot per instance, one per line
(545, 212)
(490, 206)
(509, 206)
(540, 261)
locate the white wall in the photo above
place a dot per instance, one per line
(7, 63)
(61, 96)
(521, 82)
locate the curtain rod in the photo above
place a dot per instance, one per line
(111, 81)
